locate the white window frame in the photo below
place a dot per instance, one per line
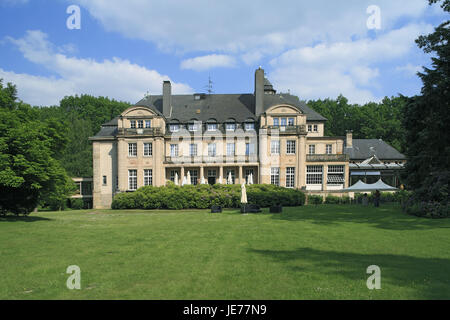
(148, 177)
(290, 147)
(174, 127)
(140, 124)
(230, 126)
(133, 124)
(132, 179)
(329, 149)
(291, 123)
(211, 127)
(249, 126)
(212, 150)
(193, 150)
(312, 149)
(231, 149)
(290, 177)
(148, 149)
(275, 147)
(314, 175)
(174, 150)
(132, 149)
(148, 124)
(275, 176)
(316, 128)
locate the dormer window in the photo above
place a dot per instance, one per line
(193, 126)
(212, 126)
(140, 124)
(148, 123)
(249, 126)
(230, 125)
(133, 124)
(174, 127)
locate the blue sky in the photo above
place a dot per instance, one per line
(318, 49)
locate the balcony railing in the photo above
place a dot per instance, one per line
(210, 159)
(300, 129)
(327, 157)
(143, 131)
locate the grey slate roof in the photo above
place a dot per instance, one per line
(224, 106)
(365, 148)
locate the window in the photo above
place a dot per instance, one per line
(283, 122)
(193, 127)
(148, 123)
(249, 126)
(194, 176)
(211, 149)
(275, 176)
(230, 126)
(148, 177)
(172, 175)
(212, 173)
(290, 177)
(276, 122)
(132, 179)
(312, 149)
(193, 150)
(231, 147)
(314, 174)
(335, 175)
(329, 149)
(309, 128)
(105, 180)
(290, 147)
(249, 149)
(212, 127)
(174, 150)
(233, 177)
(140, 124)
(316, 128)
(291, 121)
(275, 147)
(132, 149)
(133, 124)
(174, 127)
(148, 149)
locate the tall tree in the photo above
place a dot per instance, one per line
(427, 119)
(29, 170)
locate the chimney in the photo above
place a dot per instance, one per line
(259, 91)
(349, 140)
(167, 98)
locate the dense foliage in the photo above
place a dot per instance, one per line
(30, 150)
(426, 121)
(205, 196)
(369, 121)
(82, 116)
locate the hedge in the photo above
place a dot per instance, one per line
(205, 196)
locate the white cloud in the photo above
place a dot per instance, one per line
(237, 26)
(409, 69)
(348, 68)
(115, 78)
(208, 62)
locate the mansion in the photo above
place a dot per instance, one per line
(226, 138)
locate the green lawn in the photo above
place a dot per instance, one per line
(305, 253)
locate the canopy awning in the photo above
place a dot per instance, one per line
(361, 186)
(365, 173)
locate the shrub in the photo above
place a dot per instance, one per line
(312, 199)
(332, 200)
(76, 204)
(205, 196)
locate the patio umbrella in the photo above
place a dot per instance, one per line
(176, 178)
(250, 178)
(184, 181)
(203, 181)
(219, 181)
(230, 178)
(243, 193)
(188, 178)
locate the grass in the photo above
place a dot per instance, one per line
(312, 252)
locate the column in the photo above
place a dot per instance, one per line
(241, 178)
(202, 172)
(221, 172)
(181, 175)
